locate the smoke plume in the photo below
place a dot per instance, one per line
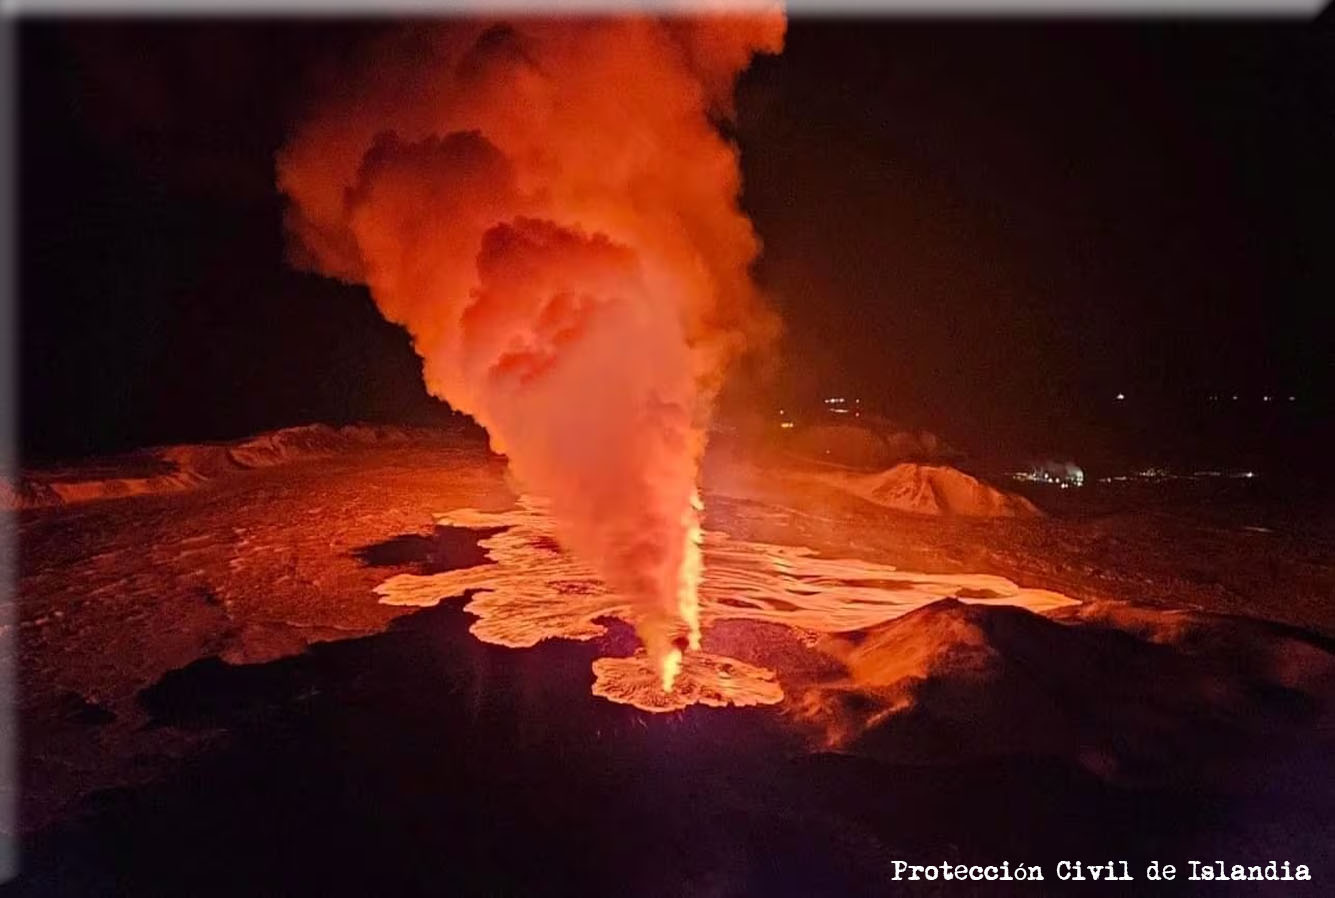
(550, 210)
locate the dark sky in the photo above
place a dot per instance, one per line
(984, 229)
(1006, 225)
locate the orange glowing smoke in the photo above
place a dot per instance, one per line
(549, 210)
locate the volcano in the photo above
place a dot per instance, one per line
(370, 630)
(811, 456)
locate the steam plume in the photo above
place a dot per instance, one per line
(550, 211)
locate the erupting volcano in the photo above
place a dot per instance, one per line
(551, 211)
(485, 538)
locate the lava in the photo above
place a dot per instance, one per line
(704, 678)
(531, 590)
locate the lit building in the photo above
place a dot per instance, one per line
(1054, 473)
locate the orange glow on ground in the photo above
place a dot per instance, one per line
(703, 678)
(534, 591)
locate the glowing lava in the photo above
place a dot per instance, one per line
(702, 678)
(534, 591)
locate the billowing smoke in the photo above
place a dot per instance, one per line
(550, 210)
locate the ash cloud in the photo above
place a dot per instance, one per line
(550, 211)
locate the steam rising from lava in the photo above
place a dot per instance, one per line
(550, 211)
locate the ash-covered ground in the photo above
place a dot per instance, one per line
(214, 700)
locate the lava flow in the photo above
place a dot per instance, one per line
(570, 260)
(530, 591)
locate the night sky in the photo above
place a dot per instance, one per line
(989, 230)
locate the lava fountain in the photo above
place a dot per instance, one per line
(551, 212)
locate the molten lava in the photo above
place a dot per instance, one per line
(530, 590)
(549, 209)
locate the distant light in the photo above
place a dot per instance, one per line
(1235, 397)
(780, 412)
(1291, 398)
(1265, 398)
(786, 425)
(1120, 396)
